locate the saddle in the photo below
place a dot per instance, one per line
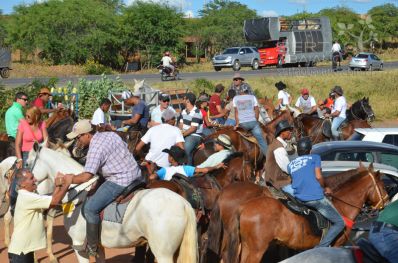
(248, 136)
(319, 224)
(365, 252)
(193, 194)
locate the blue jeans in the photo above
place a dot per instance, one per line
(255, 129)
(191, 142)
(385, 242)
(206, 132)
(288, 189)
(337, 121)
(230, 122)
(105, 195)
(219, 120)
(326, 208)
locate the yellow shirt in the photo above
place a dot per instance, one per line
(29, 233)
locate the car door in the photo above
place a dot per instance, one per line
(249, 55)
(242, 56)
(375, 61)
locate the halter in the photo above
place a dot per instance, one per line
(367, 112)
(36, 158)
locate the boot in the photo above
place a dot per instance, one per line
(92, 239)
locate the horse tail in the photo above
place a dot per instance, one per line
(189, 244)
(214, 235)
(233, 239)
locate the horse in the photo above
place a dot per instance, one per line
(358, 116)
(59, 124)
(273, 221)
(324, 255)
(158, 216)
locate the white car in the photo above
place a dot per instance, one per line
(385, 135)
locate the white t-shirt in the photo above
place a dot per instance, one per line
(336, 47)
(215, 159)
(284, 96)
(340, 105)
(29, 233)
(306, 105)
(99, 117)
(167, 61)
(245, 105)
(156, 114)
(161, 137)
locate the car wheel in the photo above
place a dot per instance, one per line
(255, 65)
(217, 68)
(370, 68)
(236, 65)
(352, 68)
(381, 67)
(5, 73)
(163, 77)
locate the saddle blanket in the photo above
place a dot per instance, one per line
(115, 212)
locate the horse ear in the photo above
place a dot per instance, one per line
(378, 174)
(361, 164)
(36, 146)
(371, 168)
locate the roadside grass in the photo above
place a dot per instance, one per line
(380, 87)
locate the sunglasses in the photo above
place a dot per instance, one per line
(25, 99)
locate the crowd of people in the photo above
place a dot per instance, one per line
(171, 148)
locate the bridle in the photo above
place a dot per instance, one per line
(369, 113)
(36, 158)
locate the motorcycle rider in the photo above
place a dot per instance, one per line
(167, 62)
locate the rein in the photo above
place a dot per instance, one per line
(368, 114)
(36, 158)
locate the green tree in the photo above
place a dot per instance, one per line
(222, 23)
(69, 31)
(151, 29)
(385, 21)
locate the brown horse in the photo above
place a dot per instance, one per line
(264, 219)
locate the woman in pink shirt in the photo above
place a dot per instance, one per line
(30, 130)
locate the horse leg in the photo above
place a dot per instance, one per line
(7, 222)
(82, 256)
(50, 223)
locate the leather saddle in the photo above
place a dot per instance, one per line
(367, 253)
(192, 193)
(248, 136)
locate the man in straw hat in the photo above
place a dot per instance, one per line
(42, 99)
(223, 147)
(338, 112)
(238, 84)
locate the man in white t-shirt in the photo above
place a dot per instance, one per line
(29, 233)
(168, 62)
(246, 116)
(101, 115)
(162, 137)
(306, 103)
(338, 112)
(156, 114)
(284, 97)
(337, 48)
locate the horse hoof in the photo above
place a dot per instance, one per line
(53, 260)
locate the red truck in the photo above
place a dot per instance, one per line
(272, 53)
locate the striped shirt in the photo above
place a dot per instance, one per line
(109, 155)
(192, 118)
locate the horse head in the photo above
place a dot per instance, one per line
(377, 195)
(361, 110)
(138, 85)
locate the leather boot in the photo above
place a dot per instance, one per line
(92, 239)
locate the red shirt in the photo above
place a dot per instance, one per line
(38, 103)
(215, 100)
(204, 115)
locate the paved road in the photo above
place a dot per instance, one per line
(224, 74)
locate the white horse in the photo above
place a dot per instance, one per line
(161, 217)
(322, 254)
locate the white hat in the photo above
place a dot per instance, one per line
(168, 114)
(224, 140)
(80, 127)
(126, 95)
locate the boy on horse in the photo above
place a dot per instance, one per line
(338, 112)
(309, 187)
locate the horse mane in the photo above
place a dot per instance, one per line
(336, 181)
(232, 156)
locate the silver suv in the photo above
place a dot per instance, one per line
(236, 57)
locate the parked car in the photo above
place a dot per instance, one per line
(366, 61)
(385, 135)
(236, 57)
(358, 151)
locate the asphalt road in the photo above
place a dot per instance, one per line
(185, 76)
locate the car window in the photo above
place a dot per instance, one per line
(375, 57)
(391, 139)
(248, 51)
(231, 51)
(361, 56)
(355, 156)
(242, 51)
(389, 159)
(255, 49)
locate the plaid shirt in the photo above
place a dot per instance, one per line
(109, 155)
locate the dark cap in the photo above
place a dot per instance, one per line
(280, 85)
(164, 97)
(338, 90)
(177, 153)
(282, 126)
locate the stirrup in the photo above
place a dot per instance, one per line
(91, 252)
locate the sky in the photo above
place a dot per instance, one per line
(263, 7)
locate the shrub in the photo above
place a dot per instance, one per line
(95, 68)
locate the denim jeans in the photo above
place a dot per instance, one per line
(326, 208)
(288, 189)
(206, 132)
(385, 242)
(219, 120)
(22, 258)
(230, 122)
(191, 142)
(105, 195)
(255, 129)
(337, 121)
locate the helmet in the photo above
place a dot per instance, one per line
(167, 53)
(281, 126)
(304, 146)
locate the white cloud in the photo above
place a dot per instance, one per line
(268, 13)
(362, 1)
(299, 2)
(188, 14)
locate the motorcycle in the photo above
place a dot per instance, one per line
(165, 73)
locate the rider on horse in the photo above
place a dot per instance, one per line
(277, 158)
(109, 155)
(306, 102)
(223, 147)
(309, 187)
(338, 112)
(140, 112)
(284, 97)
(177, 159)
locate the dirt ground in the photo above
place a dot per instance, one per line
(63, 250)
